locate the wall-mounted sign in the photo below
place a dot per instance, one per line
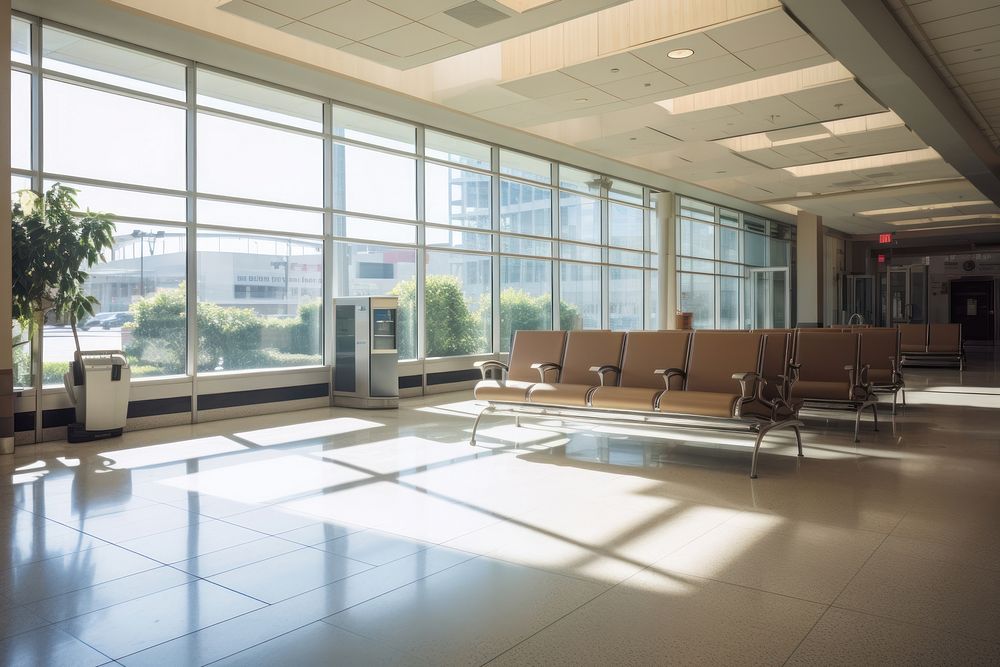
(886, 238)
(969, 265)
(881, 259)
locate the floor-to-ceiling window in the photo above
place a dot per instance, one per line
(242, 207)
(718, 250)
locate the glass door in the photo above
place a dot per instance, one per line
(770, 298)
(859, 299)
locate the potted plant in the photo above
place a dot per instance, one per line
(52, 246)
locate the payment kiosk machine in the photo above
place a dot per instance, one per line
(365, 374)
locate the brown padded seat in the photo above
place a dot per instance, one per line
(822, 357)
(584, 349)
(529, 347)
(777, 354)
(913, 337)
(700, 403)
(879, 351)
(645, 352)
(945, 338)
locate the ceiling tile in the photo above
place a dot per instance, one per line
(544, 85)
(314, 34)
(357, 20)
(976, 37)
(779, 53)
(756, 31)
(438, 53)
(651, 83)
(656, 55)
(710, 70)
(610, 69)
(255, 13)
(298, 9)
(577, 99)
(954, 25)
(634, 142)
(418, 9)
(409, 40)
(823, 101)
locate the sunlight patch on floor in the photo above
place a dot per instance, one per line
(282, 435)
(171, 452)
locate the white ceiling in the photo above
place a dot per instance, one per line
(407, 33)
(961, 38)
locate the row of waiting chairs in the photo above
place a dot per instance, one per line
(932, 342)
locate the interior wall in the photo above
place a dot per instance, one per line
(942, 269)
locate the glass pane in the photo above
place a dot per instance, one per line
(20, 120)
(653, 301)
(579, 180)
(778, 252)
(19, 183)
(525, 209)
(729, 244)
(580, 296)
(456, 238)
(518, 246)
(457, 197)
(259, 301)
(127, 203)
(456, 149)
(625, 257)
(625, 299)
(142, 306)
(457, 304)
(625, 226)
(754, 249)
(585, 253)
(729, 218)
(374, 230)
(697, 239)
(372, 270)
(525, 166)
(525, 297)
(97, 60)
(243, 159)
(20, 41)
(697, 265)
(228, 93)
(625, 191)
(369, 181)
(692, 208)
(372, 129)
(729, 303)
(579, 218)
(698, 297)
(114, 140)
(265, 218)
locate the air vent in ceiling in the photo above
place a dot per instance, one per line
(881, 174)
(476, 14)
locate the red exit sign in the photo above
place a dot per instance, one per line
(886, 238)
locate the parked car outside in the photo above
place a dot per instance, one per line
(95, 321)
(117, 320)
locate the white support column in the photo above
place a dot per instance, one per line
(6, 271)
(809, 273)
(666, 223)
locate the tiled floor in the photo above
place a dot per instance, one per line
(364, 538)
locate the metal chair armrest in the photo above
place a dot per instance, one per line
(743, 379)
(544, 368)
(604, 370)
(667, 374)
(492, 364)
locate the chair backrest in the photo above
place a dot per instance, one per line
(913, 335)
(777, 354)
(823, 355)
(647, 351)
(591, 348)
(535, 347)
(944, 337)
(879, 348)
(716, 355)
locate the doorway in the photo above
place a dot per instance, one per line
(769, 298)
(906, 300)
(972, 307)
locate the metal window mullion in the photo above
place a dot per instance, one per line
(328, 269)
(421, 268)
(38, 341)
(556, 213)
(497, 345)
(191, 182)
(605, 212)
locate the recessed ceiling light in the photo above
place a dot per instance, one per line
(615, 70)
(581, 100)
(678, 54)
(632, 138)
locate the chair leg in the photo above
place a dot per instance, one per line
(517, 421)
(857, 424)
(475, 427)
(875, 414)
(895, 395)
(798, 438)
(756, 449)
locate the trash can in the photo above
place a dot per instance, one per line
(98, 385)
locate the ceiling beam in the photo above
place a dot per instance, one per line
(866, 38)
